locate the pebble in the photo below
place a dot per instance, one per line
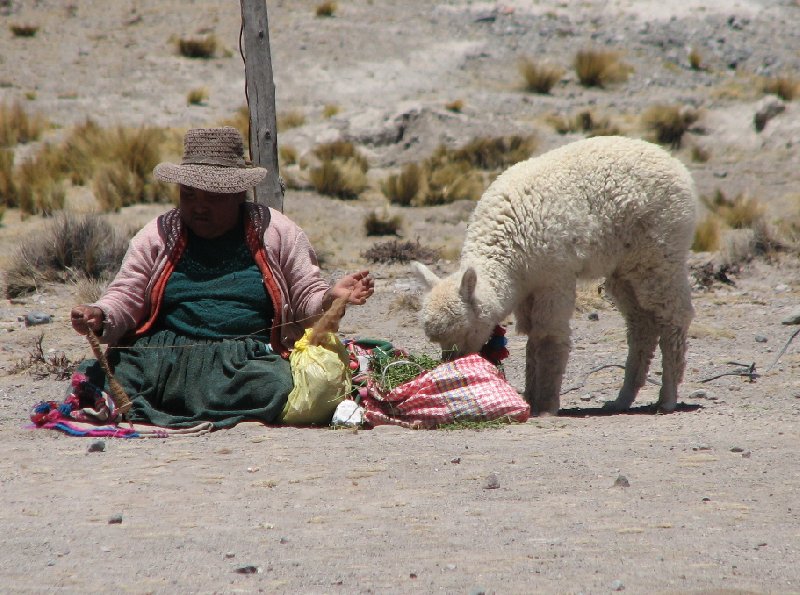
(702, 447)
(760, 339)
(737, 449)
(593, 316)
(622, 482)
(478, 591)
(230, 555)
(585, 398)
(617, 585)
(492, 482)
(456, 460)
(97, 446)
(115, 519)
(283, 540)
(700, 393)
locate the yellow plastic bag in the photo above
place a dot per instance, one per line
(321, 377)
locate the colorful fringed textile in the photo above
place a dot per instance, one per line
(90, 411)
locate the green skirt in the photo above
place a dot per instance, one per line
(175, 382)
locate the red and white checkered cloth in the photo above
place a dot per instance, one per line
(468, 388)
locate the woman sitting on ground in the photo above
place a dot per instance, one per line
(211, 296)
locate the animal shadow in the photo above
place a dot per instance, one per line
(639, 410)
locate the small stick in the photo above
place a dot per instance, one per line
(121, 399)
(598, 369)
(748, 372)
(785, 347)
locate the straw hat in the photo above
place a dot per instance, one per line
(213, 160)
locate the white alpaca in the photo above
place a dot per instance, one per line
(608, 207)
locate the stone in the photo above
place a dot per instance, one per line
(766, 109)
(115, 519)
(492, 482)
(622, 482)
(97, 446)
(34, 318)
(593, 316)
(793, 318)
(700, 393)
(760, 339)
(617, 585)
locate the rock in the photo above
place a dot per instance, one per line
(249, 569)
(737, 449)
(766, 109)
(230, 555)
(492, 482)
(622, 482)
(456, 460)
(617, 585)
(34, 318)
(702, 447)
(793, 318)
(760, 339)
(97, 446)
(700, 393)
(593, 316)
(115, 519)
(585, 398)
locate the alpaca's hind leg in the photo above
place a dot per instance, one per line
(673, 342)
(643, 332)
(545, 318)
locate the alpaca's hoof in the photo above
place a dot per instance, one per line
(614, 407)
(665, 407)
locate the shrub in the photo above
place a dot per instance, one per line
(16, 126)
(599, 68)
(585, 121)
(197, 96)
(326, 9)
(707, 235)
(742, 212)
(197, 47)
(539, 78)
(669, 123)
(382, 225)
(400, 252)
(787, 88)
(340, 150)
(26, 30)
(292, 119)
(70, 248)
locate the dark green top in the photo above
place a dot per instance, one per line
(216, 291)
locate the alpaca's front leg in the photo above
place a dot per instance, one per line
(546, 361)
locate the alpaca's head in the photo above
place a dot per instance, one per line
(451, 313)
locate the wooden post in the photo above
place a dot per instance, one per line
(261, 100)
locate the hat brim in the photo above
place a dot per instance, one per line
(211, 178)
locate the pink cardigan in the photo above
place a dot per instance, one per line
(280, 248)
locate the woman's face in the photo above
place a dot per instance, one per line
(209, 214)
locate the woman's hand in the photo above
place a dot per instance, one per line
(356, 287)
(85, 318)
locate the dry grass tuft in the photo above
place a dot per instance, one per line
(707, 234)
(9, 195)
(326, 9)
(403, 188)
(585, 121)
(241, 121)
(395, 251)
(287, 155)
(198, 47)
(455, 174)
(787, 88)
(330, 110)
(600, 68)
(288, 120)
(456, 106)
(669, 123)
(700, 154)
(40, 186)
(696, 60)
(71, 248)
(17, 126)
(26, 30)
(382, 224)
(539, 78)
(197, 96)
(341, 172)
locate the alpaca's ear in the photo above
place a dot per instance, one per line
(468, 282)
(427, 276)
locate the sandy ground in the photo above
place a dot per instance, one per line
(711, 504)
